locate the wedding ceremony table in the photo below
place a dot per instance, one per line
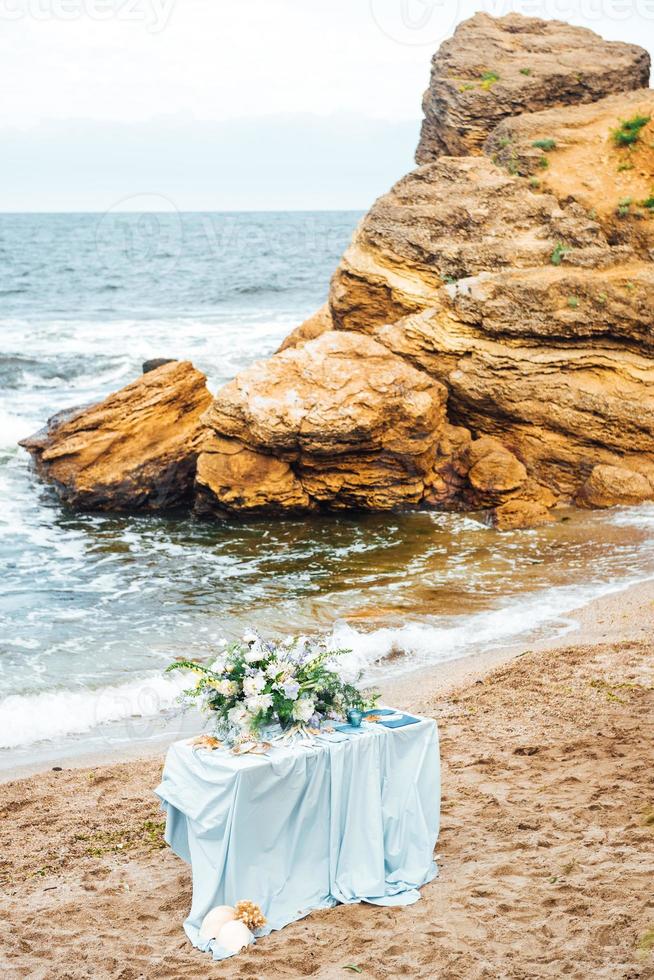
(350, 817)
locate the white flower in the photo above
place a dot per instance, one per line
(303, 709)
(225, 687)
(250, 637)
(282, 670)
(258, 702)
(253, 685)
(255, 653)
(219, 664)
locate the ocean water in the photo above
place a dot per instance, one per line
(93, 607)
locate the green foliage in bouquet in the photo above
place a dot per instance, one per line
(253, 684)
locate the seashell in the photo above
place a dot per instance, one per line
(206, 742)
(261, 748)
(242, 748)
(234, 936)
(214, 921)
(253, 748)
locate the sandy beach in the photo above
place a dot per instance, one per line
(546, 853)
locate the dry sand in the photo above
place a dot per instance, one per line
(546, 852)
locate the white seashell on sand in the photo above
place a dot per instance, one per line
(214, 921)
(234, 936)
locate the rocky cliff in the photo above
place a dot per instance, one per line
(136, 450)
(495, 68)
(488, 338)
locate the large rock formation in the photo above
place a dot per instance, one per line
(338, 422)
(494, 68)
(488, 339)
(136, 450)
(342, 422)
(531, 304)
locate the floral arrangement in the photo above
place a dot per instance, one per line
(254, 684)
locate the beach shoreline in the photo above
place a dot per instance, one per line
(545, 851)
(600, 620)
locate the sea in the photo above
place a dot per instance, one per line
(93, 607)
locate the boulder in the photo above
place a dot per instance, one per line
(497, 67)
(338, 422)
(447, 479)
(231, 478)
(136, 450)
(498, 472)
(609, 486)
(516, 514)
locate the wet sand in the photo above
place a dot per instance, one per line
(546, 852)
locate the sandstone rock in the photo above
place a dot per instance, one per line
(485, 446)
(136, 450)
(510, 278)
(515, 514)
(494, 68)
(352, 424)
(582, 162)
(447, 479)
(608, 486)
(319, 323)
(515, 281)
(439, 228)
(553, 305)
(498, 472)
(541, 330)
(562, 407)
(231, 478)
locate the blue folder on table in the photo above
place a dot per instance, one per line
(399, 722)
(393, 722)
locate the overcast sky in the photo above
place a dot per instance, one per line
(230, 103)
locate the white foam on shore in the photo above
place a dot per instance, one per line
(29, 718)
(430, 644)
(13, 428)
(51, 716)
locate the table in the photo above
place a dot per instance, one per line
(352, 817)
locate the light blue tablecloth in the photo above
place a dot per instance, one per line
(353, 818)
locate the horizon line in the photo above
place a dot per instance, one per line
(111, 210)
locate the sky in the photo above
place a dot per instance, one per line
(230, 104)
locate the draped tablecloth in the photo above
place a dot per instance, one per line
(353, 817)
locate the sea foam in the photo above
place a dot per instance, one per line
(29, 718)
